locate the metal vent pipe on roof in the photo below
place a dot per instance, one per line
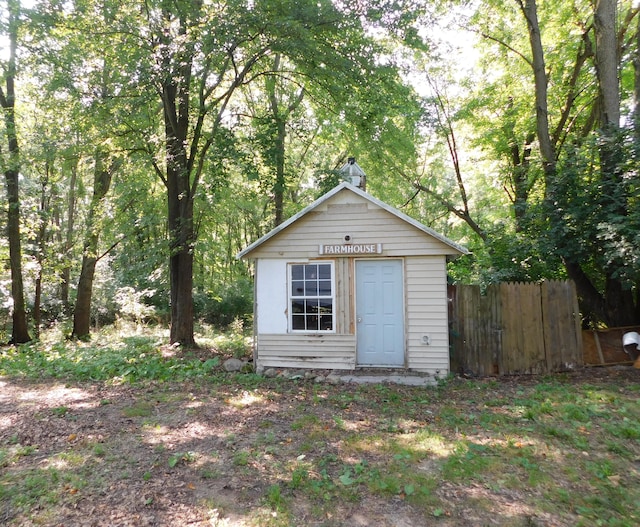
(353, 173)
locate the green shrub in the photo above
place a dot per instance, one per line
(230, 302)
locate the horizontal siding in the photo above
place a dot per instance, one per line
(426, 305)
(306, 351)
(434, 315)
(429, 300)
(365, 224)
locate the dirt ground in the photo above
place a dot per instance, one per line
(184, 455)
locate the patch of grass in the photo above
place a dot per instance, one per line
(241, 458)
(209, 472)
(19, 451)
(31, 488)
(575, 412)
(140, 409)
(299, 477)
(306, 422)
(468, 461)
(70, 458)
(625, 429)
(618, 448)
(275, 498)
(558, 432)
(237, 345)
(60, 411)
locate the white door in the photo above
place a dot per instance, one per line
(380, 313)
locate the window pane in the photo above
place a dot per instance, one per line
(312, 322)
(297, 307)
(325, 306)
(297, 322)
(311, 289)
(324, 288)
(324, 271)
(310, 272)
(312, 306)
(326, 322)
(297, 288)
(297, 272)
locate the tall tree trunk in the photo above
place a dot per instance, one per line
(101, 183)
(41, 243)
(636, 125)
(620, 308)
(280, 185)
(280, 113)
(20, 332)
(65, 275)
(175, 102)
(615, 305)
(278, 147)
(607, 62)
(182, 239)
(530, 11)
(521, 174)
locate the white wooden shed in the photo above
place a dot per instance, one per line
(348, 283)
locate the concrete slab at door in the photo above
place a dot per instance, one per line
(380, 313)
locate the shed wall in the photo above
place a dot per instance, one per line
(426, 315)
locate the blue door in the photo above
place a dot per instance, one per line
(380, 313)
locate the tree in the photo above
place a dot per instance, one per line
(271, 126)
(11, 169)
(576, 120)
(613, 303)
(203, 55)
(104, 168)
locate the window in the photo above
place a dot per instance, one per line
(311, 297)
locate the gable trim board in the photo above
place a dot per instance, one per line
(347, 211)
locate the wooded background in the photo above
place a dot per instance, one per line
(143, 144)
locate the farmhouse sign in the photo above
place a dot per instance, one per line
(351, 248)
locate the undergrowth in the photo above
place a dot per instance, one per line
(562, 448)
(111, 356)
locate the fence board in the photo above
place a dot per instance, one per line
(562, 332)
(515, 328)
(523, 348)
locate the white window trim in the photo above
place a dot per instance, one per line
(333, 298)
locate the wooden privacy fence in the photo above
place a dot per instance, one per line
(515, 328)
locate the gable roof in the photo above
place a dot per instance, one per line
(345, 186)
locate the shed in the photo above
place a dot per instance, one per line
(349, 283)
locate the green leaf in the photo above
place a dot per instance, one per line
(346, 479)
